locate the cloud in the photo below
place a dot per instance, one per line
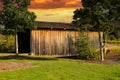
(53, 4)
(54, 10)
(50, 14)
(60, 15)
(1, 5)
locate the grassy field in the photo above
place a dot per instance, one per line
(59, 69)
(115, 49)
(113, 41)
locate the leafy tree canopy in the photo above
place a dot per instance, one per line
(100, 14)
(97, 13)
(15, 15)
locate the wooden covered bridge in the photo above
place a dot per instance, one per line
(51, 38)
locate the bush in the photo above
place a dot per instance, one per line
(7, 44)
(84, 48)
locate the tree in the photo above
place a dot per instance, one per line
(15, 15)
(97, 13)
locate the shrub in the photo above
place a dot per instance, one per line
(7, 44)
(84, 48)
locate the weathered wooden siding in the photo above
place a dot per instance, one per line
(94, 38)
(56, 42)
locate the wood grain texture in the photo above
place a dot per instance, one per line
(57, 42)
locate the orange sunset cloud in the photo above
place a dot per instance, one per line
(53, 4)
(54, 10)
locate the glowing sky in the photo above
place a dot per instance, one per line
(54, 10)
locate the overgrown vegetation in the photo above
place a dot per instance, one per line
(7, 44)
(84, 48)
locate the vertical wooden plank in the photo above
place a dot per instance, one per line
(39, 40)
(53, 35)
(61, 42)
(50, 47)
(51, 41)
(58, 42)
(64, 42)
(55, 42)
(47, 42)
(61, 52)
(43, 42)
(45, 37)
(36, 42)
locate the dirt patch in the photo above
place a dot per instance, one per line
(111, 46)
(106, 62)
(4, 66)
(113, 54)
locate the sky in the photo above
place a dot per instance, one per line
(54, 10)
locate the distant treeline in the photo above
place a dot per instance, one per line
(115, 34)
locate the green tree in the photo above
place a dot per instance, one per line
(100, 14)
(15, 15)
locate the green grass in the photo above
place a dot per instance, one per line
(115, 49)
(113, 41)
(60, 69)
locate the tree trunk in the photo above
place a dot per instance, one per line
(16, 42)
(101, 46)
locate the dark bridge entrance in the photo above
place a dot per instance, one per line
(24, 41)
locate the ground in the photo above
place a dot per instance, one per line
(111, 58)
(14, 65)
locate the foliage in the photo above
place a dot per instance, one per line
(60, 69)
(99, 14)
(114, 35)
(117, 34)
(7, 44)
(19, 17)
(92, 15)
(84, 48)
(111, 7)
(16, 16)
